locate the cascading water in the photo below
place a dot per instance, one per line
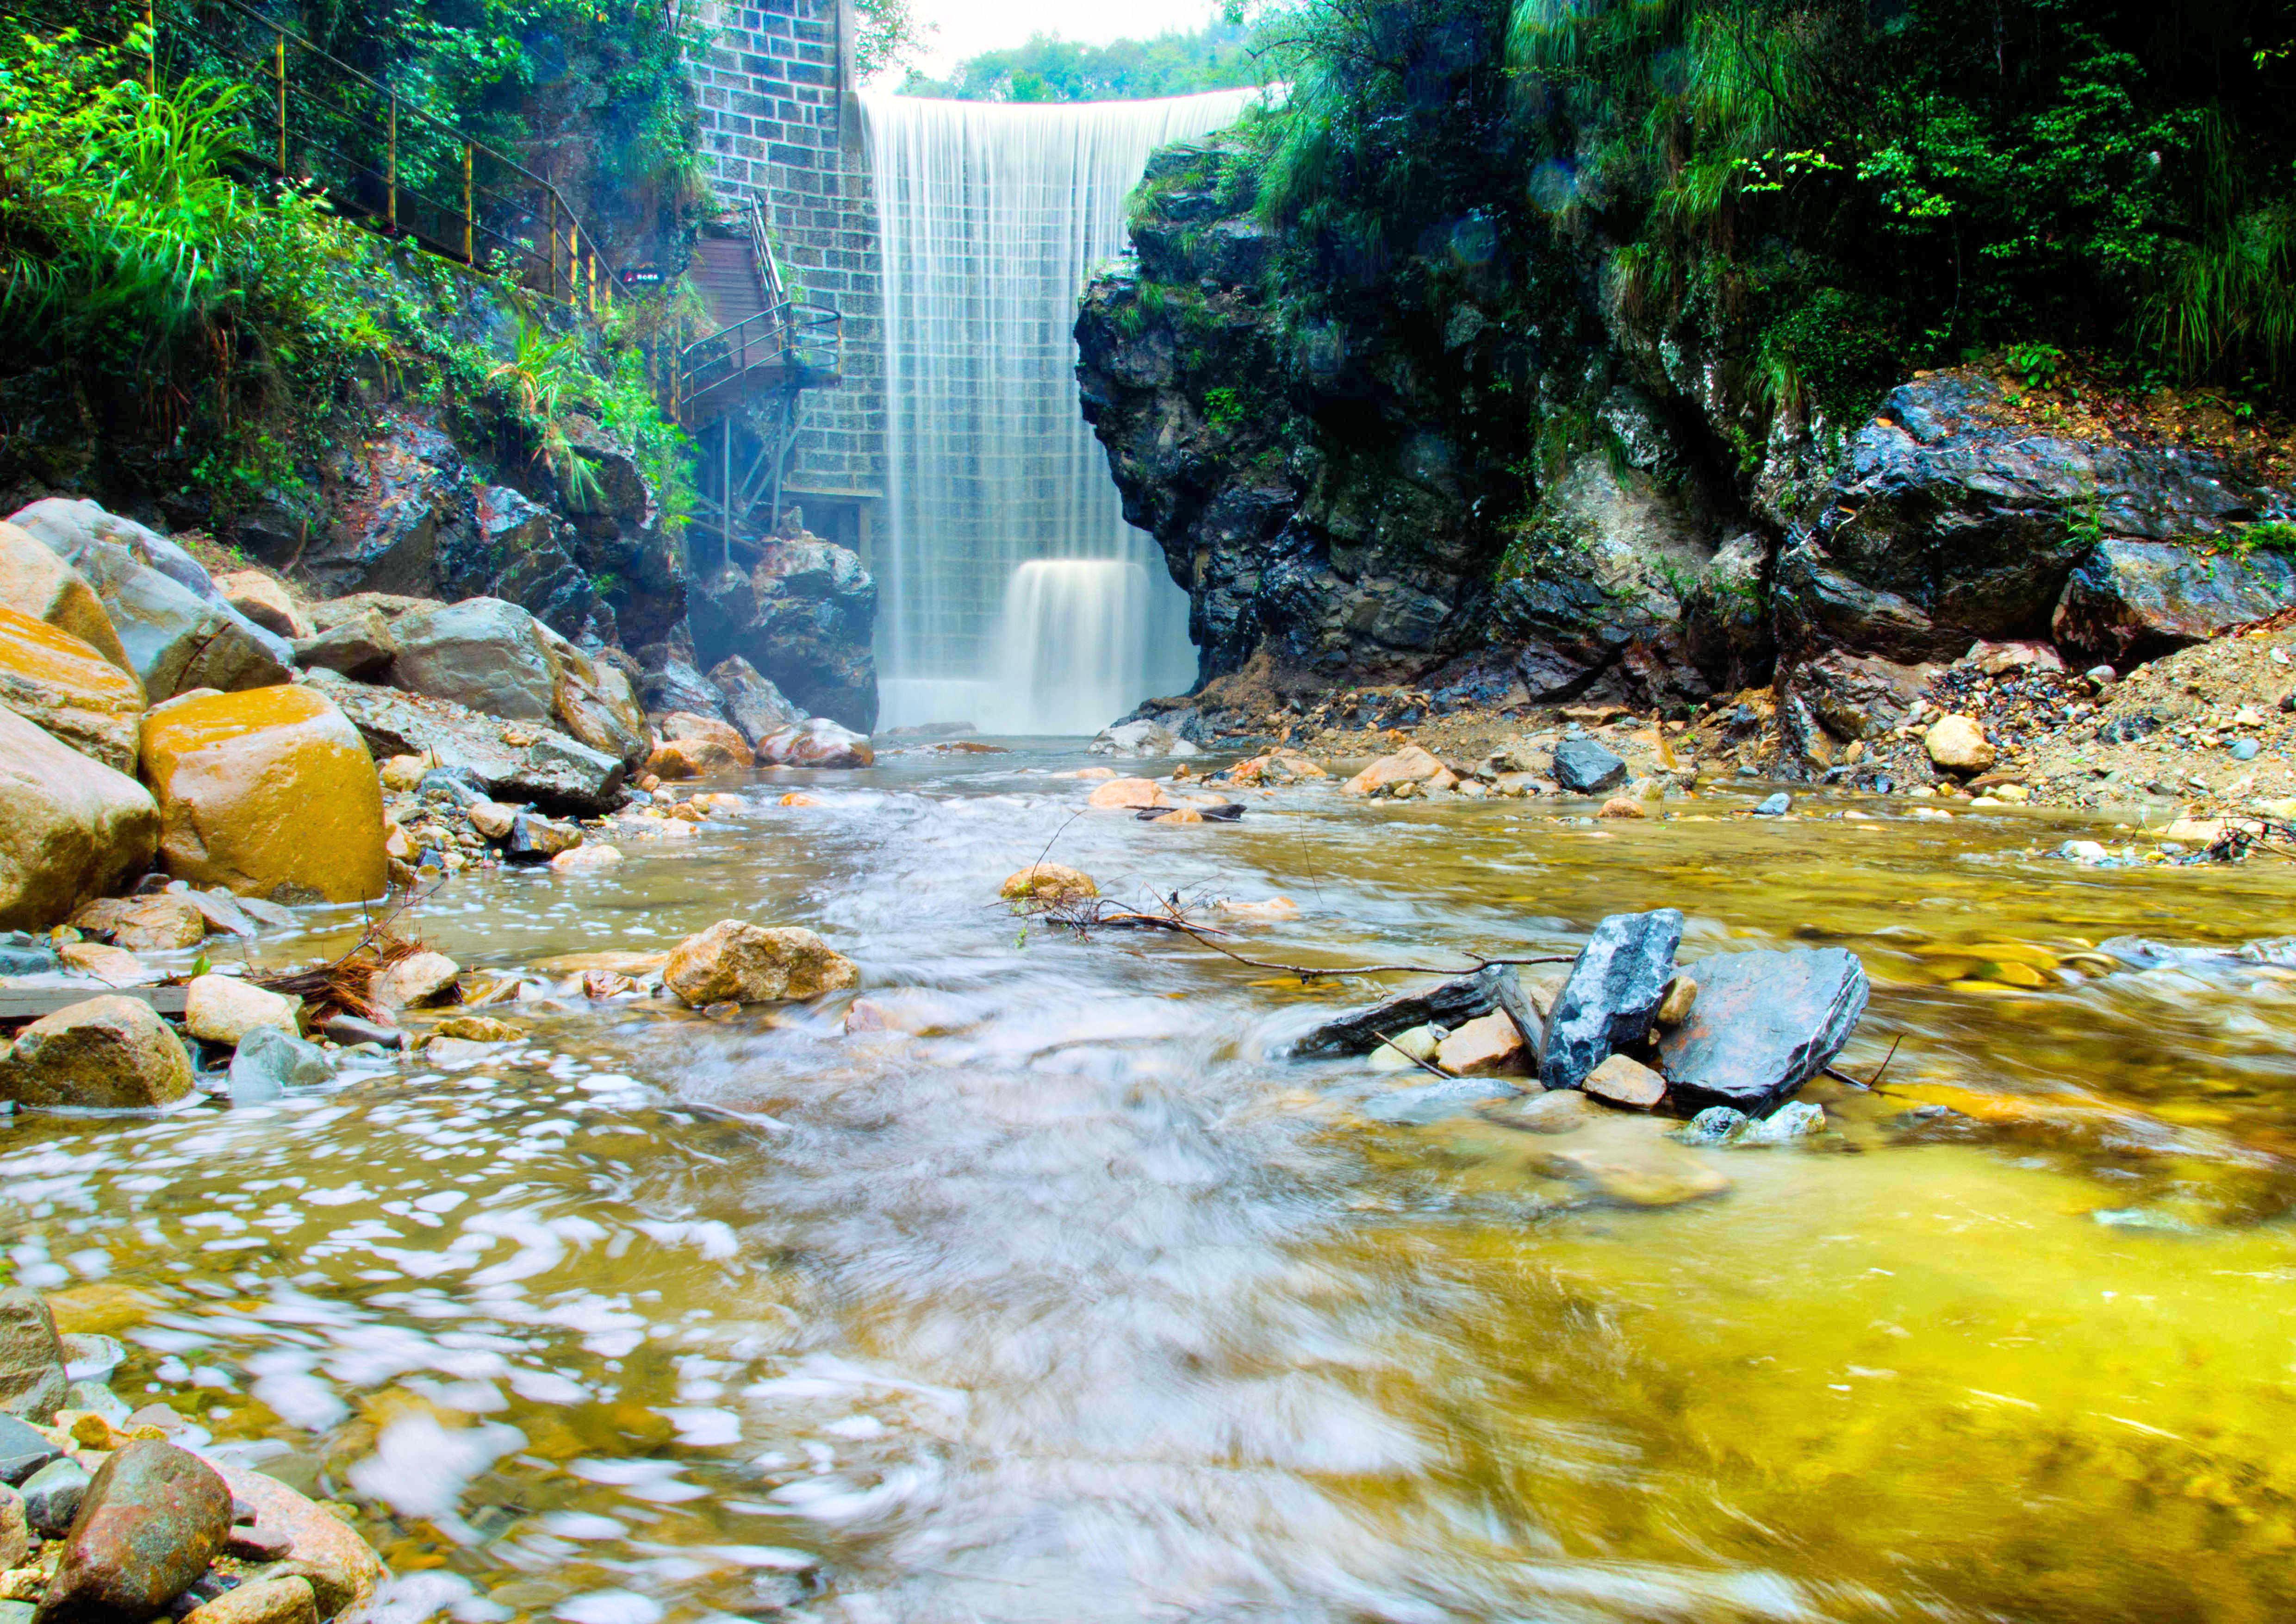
(1012, 592)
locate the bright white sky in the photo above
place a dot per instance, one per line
(967, 28)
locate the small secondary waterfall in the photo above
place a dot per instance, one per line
(1011, 593)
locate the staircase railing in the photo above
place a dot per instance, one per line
(805, 343)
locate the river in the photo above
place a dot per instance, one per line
(1078, 1303)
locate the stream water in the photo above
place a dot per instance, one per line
(1078, 1303)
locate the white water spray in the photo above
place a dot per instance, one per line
(990, 216)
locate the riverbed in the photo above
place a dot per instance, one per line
(1068, 1298)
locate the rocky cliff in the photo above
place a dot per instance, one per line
(1519, 496)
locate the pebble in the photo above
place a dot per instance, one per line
(2083, 851)
(1626, 1082)
(350, 1030)
(1776, 805)
(2244, 749)
(271, 1601)
(1716, 1125)
(51, 1496)
(15, 1529)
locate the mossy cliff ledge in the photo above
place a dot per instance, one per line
(1488, 480)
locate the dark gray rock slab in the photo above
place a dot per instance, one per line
(753, 704)
(1616, 985)
(2132, 601)
(519, 762)
(1585, 767)
(53, 1496)
(22, 1450)
(151, 1520)
(361, 646)
(1463, 999)
(667, 682)
(1764, 1023)
(482, 652)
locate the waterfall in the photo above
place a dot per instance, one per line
(990, 216)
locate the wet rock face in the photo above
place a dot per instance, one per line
(2131, 601)
(71, 829)
(51, 677)
(481, 652)
(1764, 1023)
(1953, 522)
(150, 1521)
(1615, 988)
(803, 618)
(34, 581)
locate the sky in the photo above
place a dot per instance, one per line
(966, 27)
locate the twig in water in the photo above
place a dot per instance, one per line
(1872, 1085)
(1427, 1066)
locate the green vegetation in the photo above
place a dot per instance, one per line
(228, 325)
(1821, 193)
(1049, 69)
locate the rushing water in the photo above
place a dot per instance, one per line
(1075, 1302)
(990, 216)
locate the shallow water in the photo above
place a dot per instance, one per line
(1077, 1303)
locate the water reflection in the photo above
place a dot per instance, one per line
(1064, 1298)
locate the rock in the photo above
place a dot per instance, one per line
(491, 818)
(71, 828)
(1409, 765)
(161, 924)
(1795, 1120)
(536, 839)
(1180, 814)
(1489, 1045)
(264, 601)
(592, 701)
(2090, 852)
(820, 743)
(1624, 805)
(1715, 1125)
(482, 653)
(675, 760)
(1764, 1023)
(1128, 794)
(1674, 1009)
(1047, 883)
(34, 581)
(479, 1029)
(755, 706)
(270, 1060)
(1775, 806)
(1615, 986)
(1956, 520)
(2129, 602)
(222, 912)
(1140, 738)
(805, 618)
(684, 726)
(23, 1450)
(738, 962)
(32, 1373)
(361, 646)
(269, 793)
(1626, 1082)
(1564, 1111)
(1433, 1101)
(350, 1030)
(53, 1497)
(1584, 767)
(668, 681)
(178, 633)
(591, 858)
(108, 1053)
(150, 1521)
(519, 762)
(1404, 1049)
(400, 773)
(418, 979)
(268, 1601)
(322, 1548)
(68, 688)
(1958, 744)
(1450, 1003)
(1637, 1170)
(15, 1530)
(224, 1009)
(114, 966)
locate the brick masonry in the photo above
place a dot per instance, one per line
(781, 122)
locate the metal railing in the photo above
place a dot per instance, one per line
(804, 344)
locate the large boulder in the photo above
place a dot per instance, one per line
(591, 700)
(270, 793)
(1584, 767)
(65, 526)
(32, 1374)
(2131, 601)
(110, 1053)
(264, 601)
(738, 962)
(361, 646)
(1764, 1024)
(1957, 520)
(820, 743)
(519, 762)
(668, 681)
(804, 618)
(481, 652)
(1614, 989)
(752, 704)
(50, 677)
(149, 1524)
(71, 828)
(34, 581)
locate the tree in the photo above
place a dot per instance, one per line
(890, 33)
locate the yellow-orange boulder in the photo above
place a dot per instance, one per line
(269, 791)
(34, 581)
(1129, 794)
(674, 759)
(64, 685)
